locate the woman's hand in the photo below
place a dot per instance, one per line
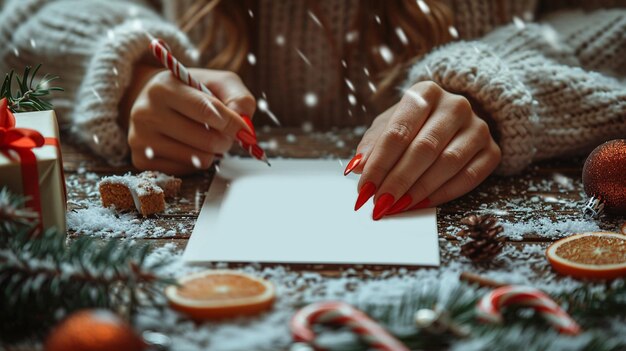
(427, 149)
(177, 129)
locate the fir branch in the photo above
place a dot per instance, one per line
(590, 306)
(29, 95)
(13, 215)
(42, 278)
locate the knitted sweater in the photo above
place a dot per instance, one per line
(554, 86)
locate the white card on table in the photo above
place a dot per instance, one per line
(302, 212)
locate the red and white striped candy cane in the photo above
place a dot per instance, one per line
(341, 313)
(162, 52)
(490, 306)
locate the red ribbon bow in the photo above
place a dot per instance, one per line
(22, 141)
(7, 120)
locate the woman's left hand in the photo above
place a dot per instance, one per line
(427, 149)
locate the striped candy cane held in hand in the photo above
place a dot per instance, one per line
(161, 51)
(341, 313)
(490, 306)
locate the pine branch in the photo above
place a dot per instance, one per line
(521, 331)
(29, 95)
(43, 277)
(13, 215)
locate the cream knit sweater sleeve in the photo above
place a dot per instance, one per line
(553, 88)
(92, 45)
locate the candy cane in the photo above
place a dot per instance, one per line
(341, 313)
(162, 52)
(489, 307)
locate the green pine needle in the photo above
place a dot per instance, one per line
(30, 94)
(43, 278)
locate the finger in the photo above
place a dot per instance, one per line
(164, 165)
(230, 89)
(165, 147)
(204, 109)
(439, 149)
(461, 150)
(367, 142)
(191, 133)
(471, 175)
(409, 116)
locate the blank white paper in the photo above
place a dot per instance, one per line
(302, 212)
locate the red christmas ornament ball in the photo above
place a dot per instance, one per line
(93, 330)
(604, 175)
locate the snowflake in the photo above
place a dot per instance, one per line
(386, 53)
(351, 36)
(33, 43)
(310, 99)
(251, 59)
(95, 93)
(250, 13)
(352, 99)
(303, 57)
(371, 86)
(402, 36)
(315, 19)
(280, 40)
(264, 107)
(291, 138)
(307, 127)
(96, 140)
(349, 84)
(149, 153)
(453, 32)
(195, 161)
(423, 6)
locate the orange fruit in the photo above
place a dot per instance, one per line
(589, 255)
(217, 294)
(93, 330)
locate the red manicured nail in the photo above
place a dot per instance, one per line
(353, 163)
(383, 204)
(400, 205)
(249, 123)
(367, 191)
(420, 205)
(246, 137)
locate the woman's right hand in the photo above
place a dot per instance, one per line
(177, 129)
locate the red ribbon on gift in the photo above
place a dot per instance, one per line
(22, 141)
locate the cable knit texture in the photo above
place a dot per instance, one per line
(93, 46)
(551, 77)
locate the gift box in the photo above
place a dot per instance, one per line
(30, 164)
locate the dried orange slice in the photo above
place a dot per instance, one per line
(216, 294)
(589, 255)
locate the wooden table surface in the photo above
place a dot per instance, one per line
(547, 190)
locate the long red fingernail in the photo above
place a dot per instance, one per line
(367, 191)
(383, 204)
(246, 137)
(400, 205)
(354, 162)
(420, 205)
(249, 123)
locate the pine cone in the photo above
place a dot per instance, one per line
(483, 232)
